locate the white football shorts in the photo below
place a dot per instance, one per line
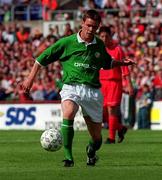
(88, 98)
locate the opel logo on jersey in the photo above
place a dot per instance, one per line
(97, 54)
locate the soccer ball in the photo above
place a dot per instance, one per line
(51, 140)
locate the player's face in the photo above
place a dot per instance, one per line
(105, 37)
(89, 28)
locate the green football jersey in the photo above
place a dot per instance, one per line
(80, 62)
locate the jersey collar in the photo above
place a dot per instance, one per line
(80, 40)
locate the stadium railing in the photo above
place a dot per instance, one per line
(35, 12)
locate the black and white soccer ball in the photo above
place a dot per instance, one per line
(51, 140)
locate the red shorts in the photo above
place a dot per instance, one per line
(112, 92)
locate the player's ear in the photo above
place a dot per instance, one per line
(82, 23)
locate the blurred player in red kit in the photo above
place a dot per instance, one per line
(111, 81)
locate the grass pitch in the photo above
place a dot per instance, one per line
(139, 157)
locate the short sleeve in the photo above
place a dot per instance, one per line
(51, 54)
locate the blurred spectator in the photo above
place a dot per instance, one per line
(89, 4)
(159, 6)
(68, 31)
(144, 99)
(99, 3)
(7, 13)
(125, 8)
(55, 32)
(22, 35)
(8, 35)
(112, 6)
(37, 90)
(48, 7)
(157, 83)
(3, 2)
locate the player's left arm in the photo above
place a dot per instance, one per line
(110, 63)
(126, 76)
(125, 62)
(125, 72)
(129, 85)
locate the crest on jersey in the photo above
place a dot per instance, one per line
(97, 54)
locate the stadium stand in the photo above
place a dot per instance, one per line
(136, 25)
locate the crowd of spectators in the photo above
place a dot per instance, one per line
(120, 8)
(45, 9)
(26, 10)
(18, 47)
(141, 40)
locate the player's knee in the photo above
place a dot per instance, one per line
(69, 115)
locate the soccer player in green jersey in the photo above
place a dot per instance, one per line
(82, 55)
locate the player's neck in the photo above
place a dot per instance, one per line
(87, 39)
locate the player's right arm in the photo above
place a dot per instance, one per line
(27, 84)
(48, 56)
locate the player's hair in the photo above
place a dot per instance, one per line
(92, 14)
(104, 29)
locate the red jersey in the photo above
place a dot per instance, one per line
(22, 37)
(157, 82)
(116, 53)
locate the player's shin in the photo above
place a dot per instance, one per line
(68, 134)
(113, 121)
(91, 149)
(93, 146)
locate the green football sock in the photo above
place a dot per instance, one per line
(68, 134)
(94, 146)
